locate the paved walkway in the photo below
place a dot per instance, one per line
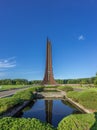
(9, 92)
(59, 94)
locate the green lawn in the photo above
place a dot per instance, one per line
(65, 88)
(85, 88)
(87, 98)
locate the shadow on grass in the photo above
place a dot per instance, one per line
(94, 127)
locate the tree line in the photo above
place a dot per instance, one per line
(18, 82)
(77, 81)
(92, 80)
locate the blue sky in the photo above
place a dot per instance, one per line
(71, 25)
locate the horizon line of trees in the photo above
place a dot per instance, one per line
(77, 81)
(92, 80)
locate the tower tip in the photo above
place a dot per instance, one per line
(48, 41)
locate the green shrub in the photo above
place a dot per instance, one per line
(77, 122)
(95, 82)
(9, 123)
(66, 88)
(94, 127)
(24, 95)
(37, 88)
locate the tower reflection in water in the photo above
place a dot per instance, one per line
(48, 110)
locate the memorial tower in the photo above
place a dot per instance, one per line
(48, 76)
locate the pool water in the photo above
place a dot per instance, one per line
(50, 111)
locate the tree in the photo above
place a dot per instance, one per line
(84, 81)
(95, 81)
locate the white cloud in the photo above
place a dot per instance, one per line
(7, 63)
(81, 37)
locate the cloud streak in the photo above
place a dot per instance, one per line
(81, 38)
(7, 63)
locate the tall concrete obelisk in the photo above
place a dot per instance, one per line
(48, 77)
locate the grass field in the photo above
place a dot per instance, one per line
(87, 98)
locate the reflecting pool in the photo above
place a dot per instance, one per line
(51, 111)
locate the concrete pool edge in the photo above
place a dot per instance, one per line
(77, 105)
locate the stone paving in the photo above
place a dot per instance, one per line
(50, 94)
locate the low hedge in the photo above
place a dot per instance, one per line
(9, 123)
(78, 122)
